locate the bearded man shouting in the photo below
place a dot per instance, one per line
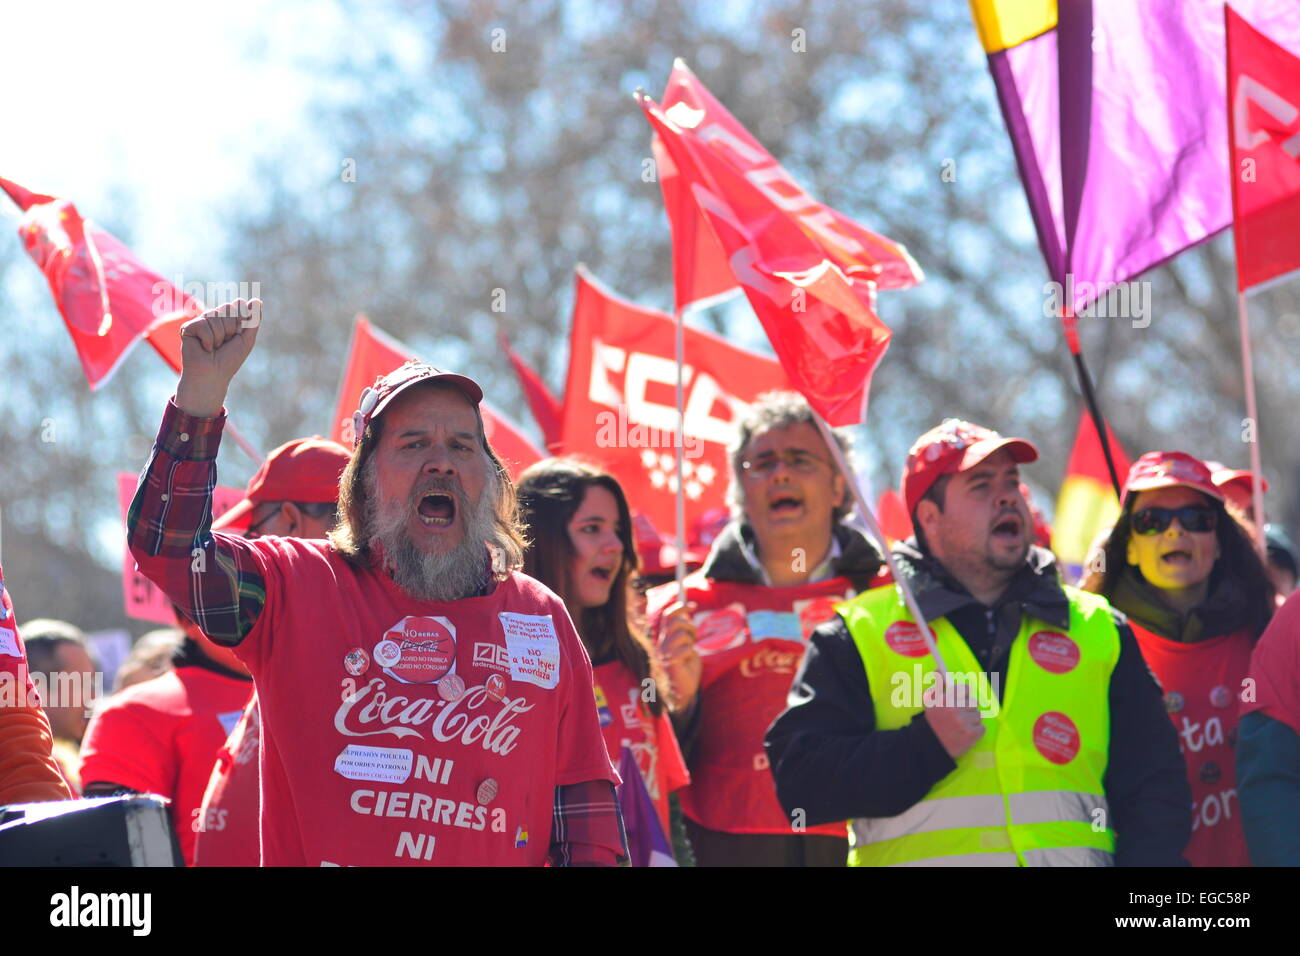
(422, 701)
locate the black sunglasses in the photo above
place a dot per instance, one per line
(1195, 519)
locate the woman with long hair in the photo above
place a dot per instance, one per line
(581, 547)
(1198, 597)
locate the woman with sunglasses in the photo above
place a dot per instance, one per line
(581, 547)
(1198, 597)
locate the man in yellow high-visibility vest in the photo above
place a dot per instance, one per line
(1045, 743)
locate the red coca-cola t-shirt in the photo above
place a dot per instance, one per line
(626, 721)
(1202, 682)
(404, 732)
(228, 817)
(751, 640)
(162, 736)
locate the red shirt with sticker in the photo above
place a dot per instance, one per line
(751, 641)
(403, 732)
(1202, 682)
(231, 804)
(626, 721)
(162, 736)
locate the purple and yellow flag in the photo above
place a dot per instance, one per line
(1117, 114)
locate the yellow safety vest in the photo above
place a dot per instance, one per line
(1029, 793)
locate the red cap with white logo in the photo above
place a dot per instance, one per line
(1168, 469)
(950, 448)
(375, 398)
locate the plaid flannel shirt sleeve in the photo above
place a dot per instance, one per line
(213, 578)
(587, 826)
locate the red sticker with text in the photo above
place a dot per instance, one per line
(1054, 651)
(818, 611)
(428, 649)
(1056, 737)
(720, 630)
(905, 638)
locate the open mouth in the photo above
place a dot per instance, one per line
(784, 503)
(603, 574)
(1177, 557)
(1009, 528)
(437, 510)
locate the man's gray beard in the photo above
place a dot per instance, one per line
(460, 572)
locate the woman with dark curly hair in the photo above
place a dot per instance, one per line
(581, 547)
(1198, 597)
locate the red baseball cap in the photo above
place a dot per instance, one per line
(1239, 478)
(375, 398)
(305, 469)
(1168, 469)
(950, 448)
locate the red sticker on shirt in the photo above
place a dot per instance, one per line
(720, 630)
(1056, 737)
(905, 638)
(817, 612)
(1054, 652)
(428, 649)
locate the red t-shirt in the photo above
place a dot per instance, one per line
(1202, 682)
(1275, 668)
(626, 721)
(404, 732)
(751, 639)
(13, 657)
(162, 736)
(231, 804)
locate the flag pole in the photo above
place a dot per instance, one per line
(681, 441)
(244, 444)
(900, 581)
(1070, 323)
(1256, 467)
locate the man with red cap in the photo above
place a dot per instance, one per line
(163, 735)
(1037, 738)
(421, 701)
(293, 495)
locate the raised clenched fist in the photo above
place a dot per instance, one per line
(213, 347)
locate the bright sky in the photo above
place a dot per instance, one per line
(166, 103)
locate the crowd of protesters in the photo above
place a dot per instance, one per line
(391, 654)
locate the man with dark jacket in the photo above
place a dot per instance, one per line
(966, 770)
(773, 574)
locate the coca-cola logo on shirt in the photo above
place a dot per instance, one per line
(474, 718)
(779, 662)
(418, 650)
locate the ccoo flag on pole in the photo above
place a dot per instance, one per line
(1264, 107)
(809, 272)
(1116, 114)
(1087, 503)
(107, 297)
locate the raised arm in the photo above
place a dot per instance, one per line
(214, 579)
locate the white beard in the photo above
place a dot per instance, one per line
(458, 573)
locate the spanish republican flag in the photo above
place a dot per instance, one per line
(1087, 504)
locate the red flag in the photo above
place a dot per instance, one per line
(1264, 106)
(620, 406)
(544, 406)
(701, 273)
(107, 297)
(374, 353)
(809, 272)
(1086, 503)
(891, 511)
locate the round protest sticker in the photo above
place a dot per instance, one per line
(817, 611)
(1054, 652)
(904, 637)
(387, 653)
(721, 630)
(1056, 737)
(427, 649)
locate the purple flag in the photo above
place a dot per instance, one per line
(1117, 114)
(646, 841)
